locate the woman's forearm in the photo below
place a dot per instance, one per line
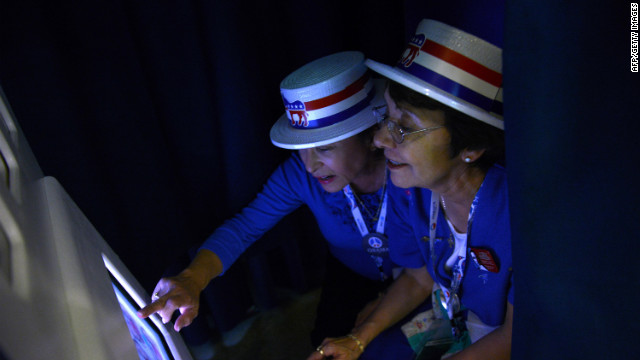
(406, 293)
(494, 346)
(205, 266)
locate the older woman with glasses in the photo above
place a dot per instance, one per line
(338, 173)
(449, 223)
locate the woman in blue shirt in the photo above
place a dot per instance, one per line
(449, 220)
(330, 118)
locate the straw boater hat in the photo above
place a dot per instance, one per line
(327, 100)
(453, 67)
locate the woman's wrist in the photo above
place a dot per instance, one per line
(364, 333)
(358, 342)
(193, 279)
(204, 267)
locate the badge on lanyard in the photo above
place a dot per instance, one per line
(376, 244)
(448, 297)
(446, 304)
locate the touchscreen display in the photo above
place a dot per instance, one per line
(149, 342)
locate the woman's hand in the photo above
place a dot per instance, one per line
(175, 293)
(182, 292)
(343, 348)
(410, 289)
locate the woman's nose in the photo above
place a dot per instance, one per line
(382, 138)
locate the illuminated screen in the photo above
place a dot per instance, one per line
(149, 342)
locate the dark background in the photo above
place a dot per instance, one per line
(154, 115)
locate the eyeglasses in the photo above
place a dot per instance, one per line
(396, 132)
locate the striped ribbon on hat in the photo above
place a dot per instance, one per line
(331, 109)
(454, 73)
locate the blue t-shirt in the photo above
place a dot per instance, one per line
(484, 292)
(289, 187)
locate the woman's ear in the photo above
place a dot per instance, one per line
(470, 156)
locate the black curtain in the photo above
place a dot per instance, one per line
(571, 107)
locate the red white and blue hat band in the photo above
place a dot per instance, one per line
(328, 110)
(432, 59)
(452, 67)
(327, 100)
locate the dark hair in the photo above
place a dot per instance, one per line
(466, 132)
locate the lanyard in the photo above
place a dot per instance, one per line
(357, 215)
(450, 300)
(362, 226)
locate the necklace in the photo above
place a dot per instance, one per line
(384, 187)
